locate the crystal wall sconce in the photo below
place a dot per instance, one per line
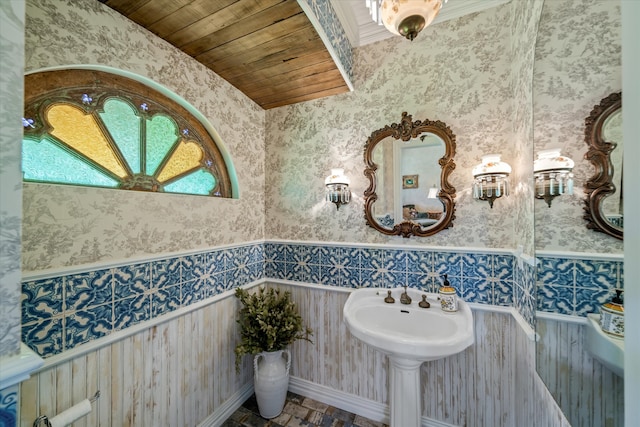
(491, 179)
(337, 188)
(553, 175)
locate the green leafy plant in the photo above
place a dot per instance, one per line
(269, 321)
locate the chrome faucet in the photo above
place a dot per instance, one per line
(404, 297)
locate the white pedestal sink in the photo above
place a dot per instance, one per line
(408, 335)
(605, 348)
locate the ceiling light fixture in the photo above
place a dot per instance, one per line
(404, 17)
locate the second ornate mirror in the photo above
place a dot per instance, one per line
(408, 165)
(603, 134)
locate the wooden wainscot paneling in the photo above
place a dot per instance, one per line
(588, 392)
(173, 374)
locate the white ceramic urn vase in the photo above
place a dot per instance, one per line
(271, 381)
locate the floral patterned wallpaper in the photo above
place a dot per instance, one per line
(11, 90)
(578, 62)
(66, 226)
(460, 72)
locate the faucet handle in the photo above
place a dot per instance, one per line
(389, 299)
(424, 303)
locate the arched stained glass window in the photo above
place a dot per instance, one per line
(93, 128)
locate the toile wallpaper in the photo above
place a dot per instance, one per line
(66, 226)
(11, 90)
(458, 71)
(578, 62)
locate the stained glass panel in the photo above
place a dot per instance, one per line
(162, 134)
(95, 128)
(123, 124)
(81, 132)
(186, 156)
(198, 182)
(47, 161)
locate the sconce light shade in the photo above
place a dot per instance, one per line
(553, 175)
(337, 185)
(433, 193)
(404, 17)
(491, 179)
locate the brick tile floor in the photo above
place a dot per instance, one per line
(299, 411)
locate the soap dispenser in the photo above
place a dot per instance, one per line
(448, 297)
(612, 316)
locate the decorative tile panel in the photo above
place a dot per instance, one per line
(60, 313)
(576, 286)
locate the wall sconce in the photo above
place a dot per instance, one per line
(552, 175)
(491, 179)
(433, 192)
(404, 18)
(337, 188)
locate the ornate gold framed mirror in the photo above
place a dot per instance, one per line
(603, 134)
(419, 153)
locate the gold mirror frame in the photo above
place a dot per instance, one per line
(406, 130)
(600, 185)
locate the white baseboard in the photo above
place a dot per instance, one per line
(221, 414)
(349, 402)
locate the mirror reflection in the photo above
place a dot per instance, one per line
(408, 165)
(409, 180)
(612, 205)
(603, 135)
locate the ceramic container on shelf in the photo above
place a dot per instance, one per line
(448, 297)
(612, 316)
(271, 381)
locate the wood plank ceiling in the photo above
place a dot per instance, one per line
(268, 49)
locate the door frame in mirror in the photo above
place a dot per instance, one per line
(404, 131)
(600, 185)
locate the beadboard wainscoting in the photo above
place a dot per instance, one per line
(181, 372)
(175, 373)
(589, 393)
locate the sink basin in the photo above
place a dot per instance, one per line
(408, 331)
(408, 335)
(604, 348)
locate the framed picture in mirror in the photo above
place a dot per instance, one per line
(410, 181)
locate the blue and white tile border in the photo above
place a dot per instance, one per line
(576, 284)
(63, 310)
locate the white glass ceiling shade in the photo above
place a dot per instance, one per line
(404, 17)
(337, 188)
(553, 175)
(491, 179)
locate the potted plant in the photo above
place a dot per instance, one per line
(269, 321)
